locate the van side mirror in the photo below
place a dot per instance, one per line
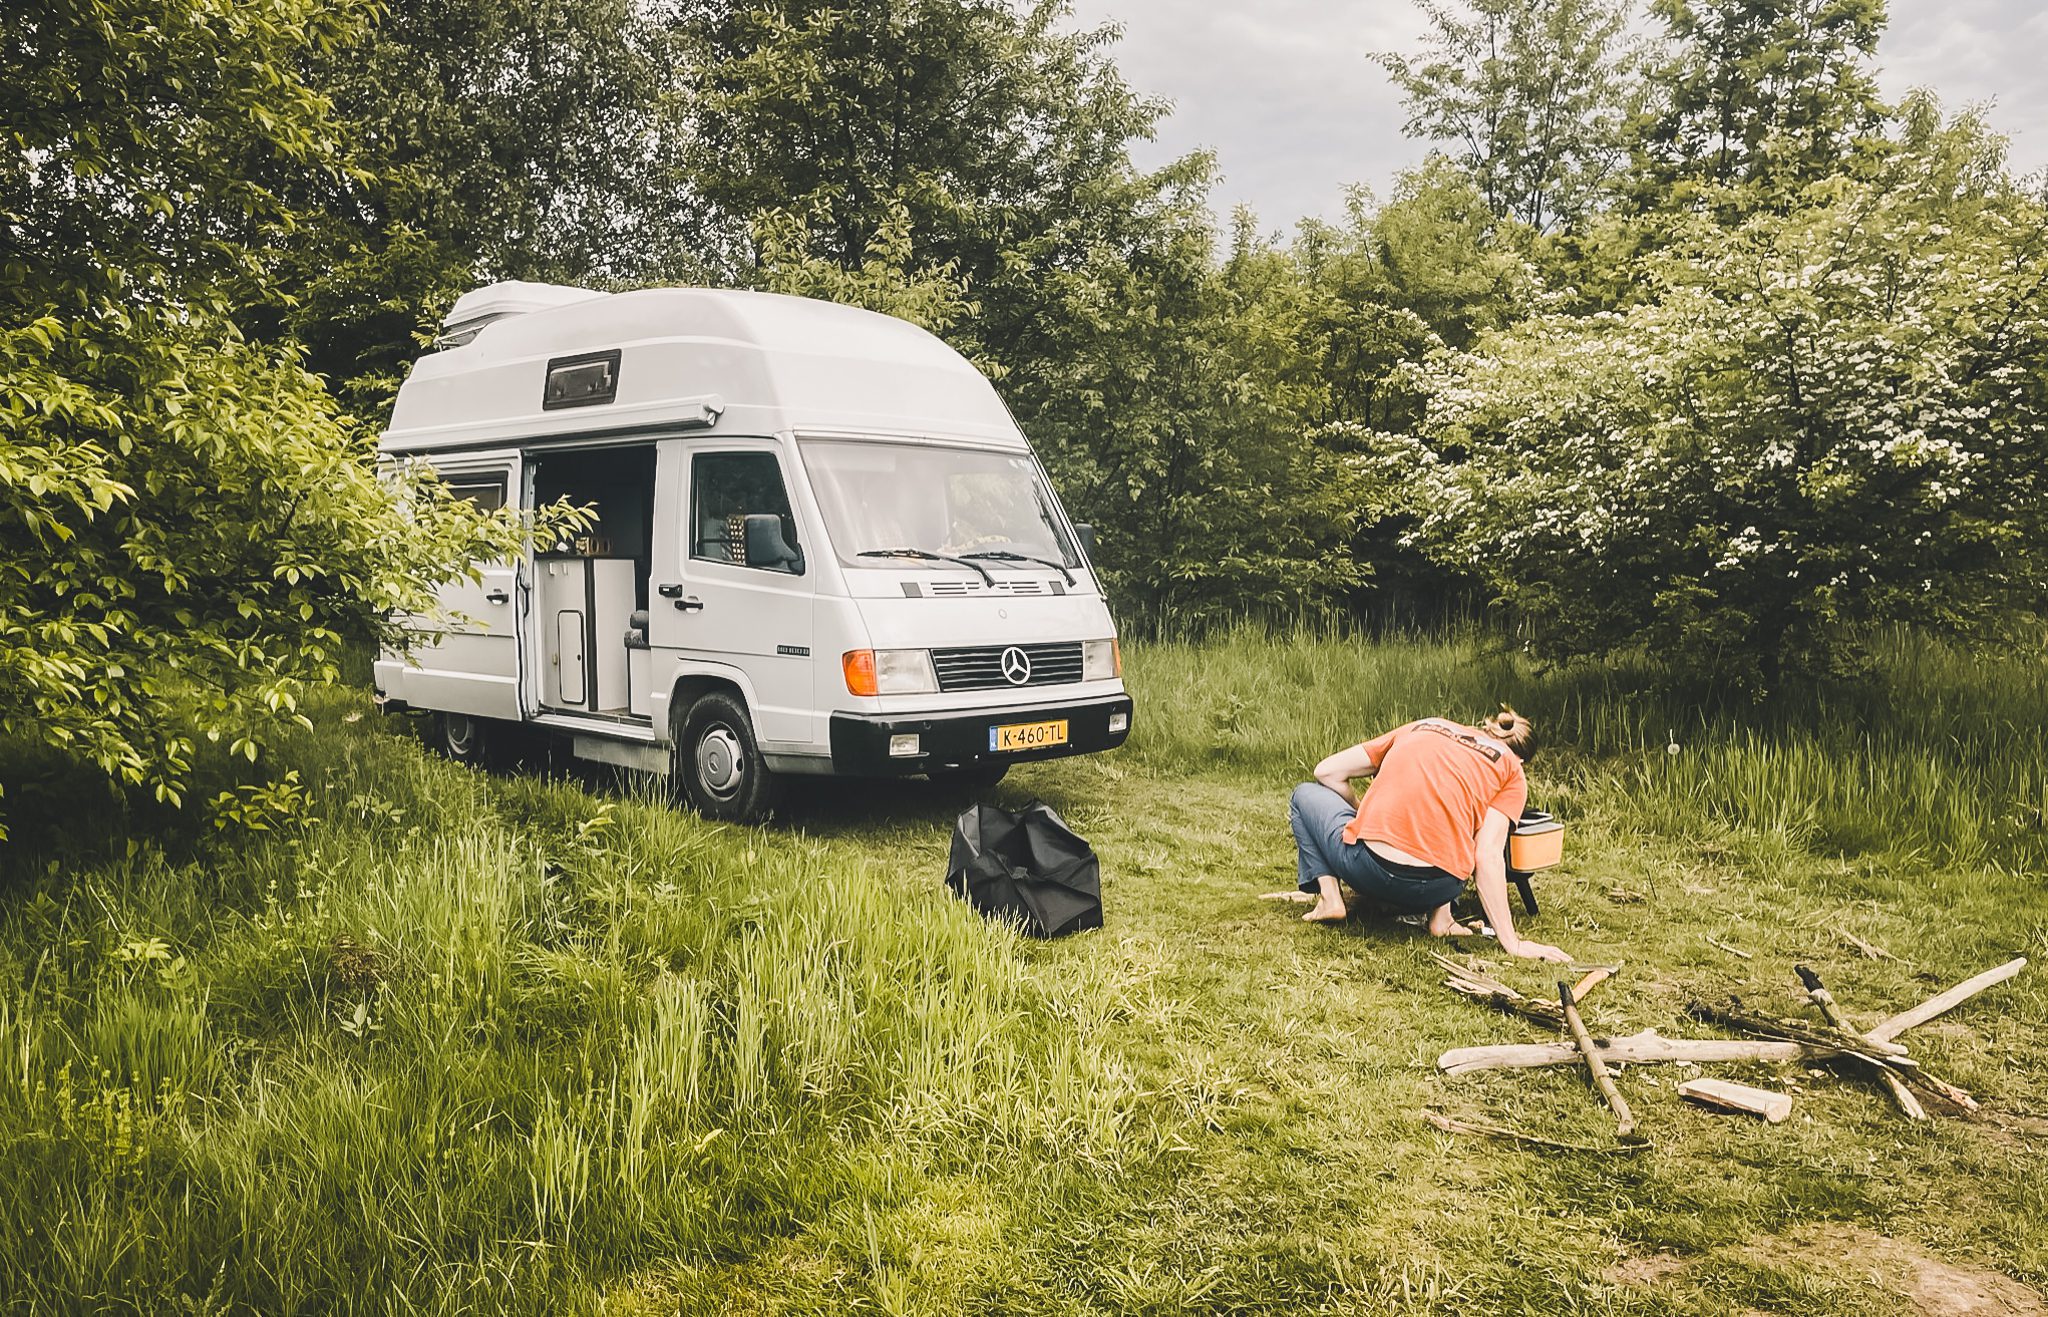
(1087, 534)
(765, 545)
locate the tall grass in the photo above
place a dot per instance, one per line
(476, 1045)
(1936, 754)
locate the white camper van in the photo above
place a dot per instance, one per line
(821, 546)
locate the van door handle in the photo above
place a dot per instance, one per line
(669, 591)
(498, 597)
(691, 605)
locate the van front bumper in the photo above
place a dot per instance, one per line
(860, 742)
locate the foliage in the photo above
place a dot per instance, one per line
(994, 129)
(1770, 93)
(494, 140)
(1179, 419)
(189, 536)
(188, 532)
(1823, 421)
(886, 280)
(1535, 94)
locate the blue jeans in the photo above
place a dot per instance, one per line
(1318, 816)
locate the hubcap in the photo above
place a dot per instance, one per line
(719, 763)
(461, 734)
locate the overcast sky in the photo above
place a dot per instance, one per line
(1284, 95)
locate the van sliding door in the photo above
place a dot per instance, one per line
(466, 657)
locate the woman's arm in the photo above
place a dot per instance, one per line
(1337, 770)
(1492, 880)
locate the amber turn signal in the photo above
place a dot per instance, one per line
(859, 666)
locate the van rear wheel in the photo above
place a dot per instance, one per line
(718, 763)
(462, 738)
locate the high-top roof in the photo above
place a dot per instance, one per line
(739, 362)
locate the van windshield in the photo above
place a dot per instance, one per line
(879, 496)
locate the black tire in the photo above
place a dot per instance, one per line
(464, 739)
(718, 765)
(981, 777)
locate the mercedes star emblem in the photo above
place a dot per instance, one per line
(1016, 666)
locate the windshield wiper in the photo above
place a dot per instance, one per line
(1006, 556)
(929, 556)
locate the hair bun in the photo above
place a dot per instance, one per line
(1506, 722)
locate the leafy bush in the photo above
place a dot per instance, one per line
(1813, 423)
(189, 533)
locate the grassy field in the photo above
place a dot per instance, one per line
(504, 1044)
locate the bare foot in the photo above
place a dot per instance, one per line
(1442, 925)
(1329, 902)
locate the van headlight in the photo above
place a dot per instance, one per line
(889, 672)
(1101, 660)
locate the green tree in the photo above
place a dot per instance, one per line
(887, 280)
(494, 140)
(1768, 93)
(1002, 137)
(1821, 421)
(1391, 287)
(1535, 95)
(991, 126)
(188, 532)
(1180, 421)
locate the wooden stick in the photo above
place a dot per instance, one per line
(1945, 1091)
(1733, 951)
(1451, 1125)
(1874, 952)
(1736, 1018)
(1949, 1000)
(1645, 1048)
(1624, 1119)
(1917, 1075)
(1773, 1107)
(1818, 994)
(1596, 976)
(1484, 987)
(1901, 1096)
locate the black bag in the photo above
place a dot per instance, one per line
(1027, 868)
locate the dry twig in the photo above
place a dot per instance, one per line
(1452, 1125)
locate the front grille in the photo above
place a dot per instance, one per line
(981, 668)
(1000, 587)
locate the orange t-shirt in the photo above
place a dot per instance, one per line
(1433, 782)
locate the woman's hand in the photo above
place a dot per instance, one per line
(1535, 951)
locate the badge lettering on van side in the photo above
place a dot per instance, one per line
(794, 651)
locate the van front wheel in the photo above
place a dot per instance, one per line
(718, 764)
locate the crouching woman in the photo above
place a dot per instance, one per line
(1436, 814)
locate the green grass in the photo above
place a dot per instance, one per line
(500, 1044)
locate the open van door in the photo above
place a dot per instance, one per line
(467, 655)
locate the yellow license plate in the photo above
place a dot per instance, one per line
(1028, 736)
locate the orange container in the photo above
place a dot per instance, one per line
(1535, 845)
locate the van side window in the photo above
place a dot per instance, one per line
(727, 488)
(487, 492)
